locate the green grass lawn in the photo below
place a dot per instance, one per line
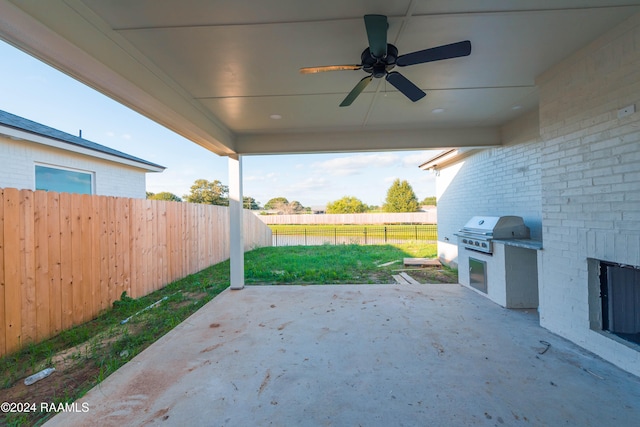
(85, 355)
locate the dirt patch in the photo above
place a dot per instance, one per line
(53, 389)
(433, 275)
(76, 369)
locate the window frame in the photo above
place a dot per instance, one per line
(92, 176)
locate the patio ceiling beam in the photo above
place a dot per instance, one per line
(367, 140)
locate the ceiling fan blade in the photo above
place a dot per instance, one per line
(356, 91)
(405, 86)
(376, 26)
(453, 50)
(313, 70)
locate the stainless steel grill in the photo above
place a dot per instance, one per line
(479, 231)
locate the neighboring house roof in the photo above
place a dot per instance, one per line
(447, 158)
(71, 141)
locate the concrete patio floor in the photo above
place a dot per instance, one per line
(361, 355)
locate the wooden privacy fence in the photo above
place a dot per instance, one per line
(64, 258)
(429, 217)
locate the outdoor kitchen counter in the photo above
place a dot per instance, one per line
(521, 243)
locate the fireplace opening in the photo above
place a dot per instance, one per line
(620, 297)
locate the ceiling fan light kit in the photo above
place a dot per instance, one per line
(380, 58)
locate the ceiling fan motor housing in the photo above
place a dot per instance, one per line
(379, 67)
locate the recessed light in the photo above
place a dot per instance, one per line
(516, 107)
(275, 117)
(437, 110)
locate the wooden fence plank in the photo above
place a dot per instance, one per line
(208, 232)
(88, 296)
(3, 340)
(202, 244)
(27, 243)
(140, 253)
(77, 257)
(96, 293)
(148, 243)
(197, 241)
(124, 246)
(185, 239)
(170, 237)
(66, 272)
(134, 255)
(155, 260)
(113, 275)
(118, 221)
(55, 260)
(105, 296)
(162, 256)
(12, 261)
(43, 304)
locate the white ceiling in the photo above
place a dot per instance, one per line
(215, 71)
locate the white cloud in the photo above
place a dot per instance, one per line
(259, 177)
(308, 184)
(390, 179)
(353, 165)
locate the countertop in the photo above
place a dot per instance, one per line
(521, 243)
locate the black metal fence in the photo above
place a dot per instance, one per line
(360, 235)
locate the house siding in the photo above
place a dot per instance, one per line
(18, 159)
(590, 172)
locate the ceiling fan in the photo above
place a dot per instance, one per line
(380, 58)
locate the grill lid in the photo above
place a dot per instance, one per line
(497, 227)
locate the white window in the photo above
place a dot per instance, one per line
(61, 180)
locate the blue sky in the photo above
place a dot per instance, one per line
(35, 91)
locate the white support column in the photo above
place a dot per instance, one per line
(236, 226)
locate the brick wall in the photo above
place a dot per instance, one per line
(18, 159)
(494, 182)
(576, 181)
(590, 172)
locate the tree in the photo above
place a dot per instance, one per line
(295, 207)
(347, 204)
(400, 198)
(208, 192)
(164, 195)
(281, 204)
(250, 203)
(429, 201)
(276, 203)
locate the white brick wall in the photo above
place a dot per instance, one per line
(577, 185)
(590, 182)
(18, 159)
(495, 182)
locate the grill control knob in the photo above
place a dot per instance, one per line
(477, 243)
(484, 245)
(464, 240)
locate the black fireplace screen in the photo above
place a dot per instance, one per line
(620, 293)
